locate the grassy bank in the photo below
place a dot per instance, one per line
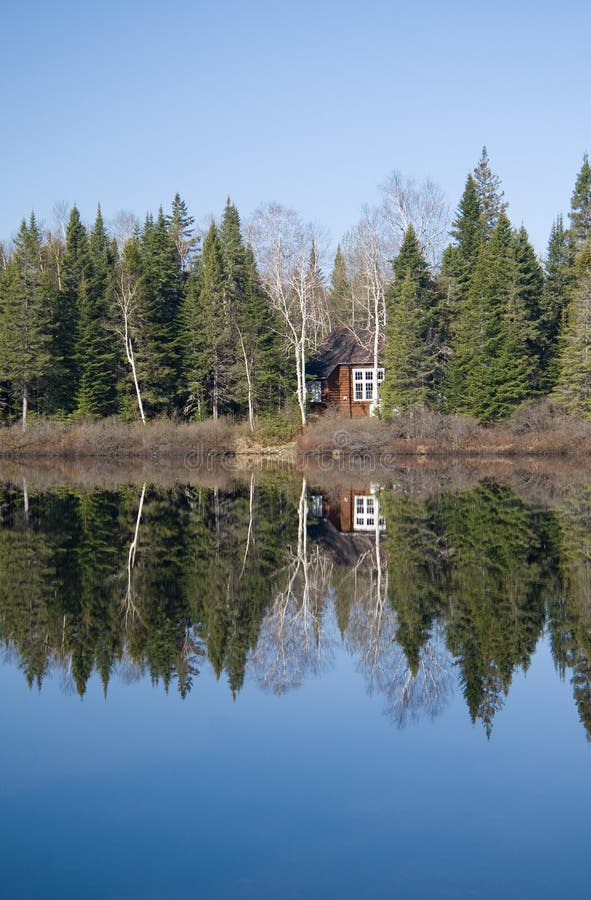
(542, 429)
(112, 439)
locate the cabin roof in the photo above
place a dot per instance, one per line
(342, 347)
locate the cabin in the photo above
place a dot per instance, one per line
(341, 374)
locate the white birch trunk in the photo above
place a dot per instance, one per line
(25, 406)
(248, 383)
(131, 360)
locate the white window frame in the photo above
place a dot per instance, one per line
(316, 509)
(314, 391)
(365, 511)
(363, 379)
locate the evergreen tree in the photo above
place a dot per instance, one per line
(339, 294)
(457, 264)
(580, 214)
(467, 227)
(271, 373)
(411, 351)
(161, 298)
(234, 358)
(193, 345)
(97, 353)
(529, 288)
(65, 369)
(573, 386)
(490, 195)
(557, 288)
(180, 225)
(316, 289)
(490, 371)
(25, 355)
(206, 330)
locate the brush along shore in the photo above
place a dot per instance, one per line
(539, 429)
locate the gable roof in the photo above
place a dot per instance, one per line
(342, 347)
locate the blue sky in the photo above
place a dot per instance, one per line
(307, 104)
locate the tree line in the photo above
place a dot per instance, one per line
(164, 321)
(496, 326)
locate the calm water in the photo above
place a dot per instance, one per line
(283, 691)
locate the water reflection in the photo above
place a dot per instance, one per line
(263, 581)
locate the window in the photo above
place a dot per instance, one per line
(316, 506)
(367, 511)
(363, 383)
(314, 389)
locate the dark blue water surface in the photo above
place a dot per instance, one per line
(385, 723)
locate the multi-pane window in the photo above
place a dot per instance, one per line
(367, 513)
(316, 507)
(314, 389)
(363, 383)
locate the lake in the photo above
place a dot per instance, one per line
(265, 685)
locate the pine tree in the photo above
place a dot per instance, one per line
(411, 351)
(98, 358)
(529, 288)
(573, 387)
(271, 372)
(316, 290)
(206, 331)
(458, 261)
(580, 214)
(193, 346)
(467, 227)
(161, 298)
(557, 289)
(65, 369)
(490, 195)
(490, 371)
(234, 358)
(180, 225)
(25, 337)
(339, 294)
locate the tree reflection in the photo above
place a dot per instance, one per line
(457, 588)
(292, 642)
(413, 686)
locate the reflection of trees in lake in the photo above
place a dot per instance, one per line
(236, 545)
(147, 582)
(292, 642)
(499, 571)
(26, 568)
(570, 610)
(413, 685)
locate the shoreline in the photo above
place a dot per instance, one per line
(538, 432)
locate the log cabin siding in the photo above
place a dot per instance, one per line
(344, 350)
(337, 393)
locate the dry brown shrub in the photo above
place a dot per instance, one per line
(113, 439)
(423, 423)
(344, 435)
(539, 416)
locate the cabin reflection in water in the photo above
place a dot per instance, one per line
(350, 510)
(347, 522)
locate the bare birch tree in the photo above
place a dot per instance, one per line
(127, 299)
(283, 246)
(124, 226)
(420, 204)
(368, 256)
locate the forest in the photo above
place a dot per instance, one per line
(166, 320)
